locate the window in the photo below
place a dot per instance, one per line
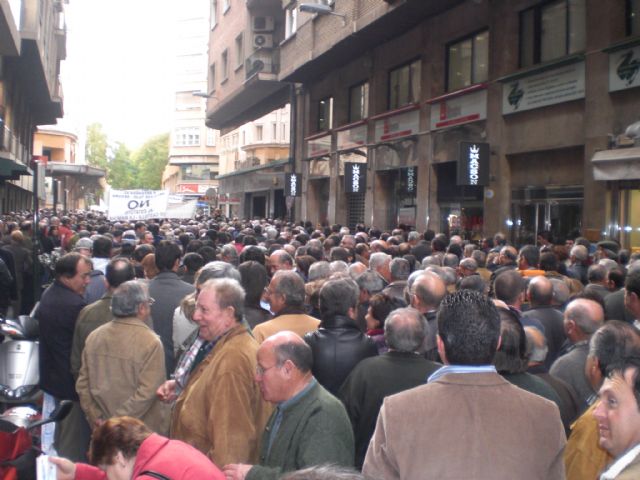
(468, 61)
(258, 133)
(198, 171)
(283, 132)
(633, 17)
(359, 102)
(274, 132)
(212, 78)
(224, 65)
(325, 114)
(404, 85)
(213, 12)
(239, 51)
(211, 137)
(226, 5)
(244, 137)
(552, 30)
(291, 21)
(187, 137)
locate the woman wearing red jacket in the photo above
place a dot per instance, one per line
(123, 448)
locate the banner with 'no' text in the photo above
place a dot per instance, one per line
(125, 205)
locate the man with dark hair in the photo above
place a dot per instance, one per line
(618, 417)
(509, 287)
(582, 318)
(507, 260)
(632, 291)
(57, 314)
(309, 425)
(609, 345)
(540, 296)
(123, 363)
(338, 345)
(286, 295)
(192, 263)
(168, 290)
(598, 277)
(401, 368)
(100, 252)
(468, 418)
(529, 260)
(118, 271)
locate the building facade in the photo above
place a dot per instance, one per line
(193, 148)
(474, 116)
(32, 45)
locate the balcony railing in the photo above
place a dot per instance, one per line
(262, 61)
(9, 143)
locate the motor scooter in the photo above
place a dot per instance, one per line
(19, 362)
(20, 442)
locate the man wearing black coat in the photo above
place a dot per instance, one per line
(338, 345)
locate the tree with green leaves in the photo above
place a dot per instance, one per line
(97, 146)
(122, 170)
(150, 161)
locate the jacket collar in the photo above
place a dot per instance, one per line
(339, 321)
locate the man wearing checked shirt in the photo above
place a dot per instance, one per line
(309, 425)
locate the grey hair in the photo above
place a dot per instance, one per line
(537, 352)
(405, 329)
(338, 266)
(229, 293)
(319, 270)
(400, 269)
(290, 286)
(325, 472)
(217, 269)
(580, 312)
(272, 233)
(370, 281)
(480, 257)
(580, 253)
(230, 252)
(451, 260)
(469, 263)
(432, 260)
(376, 260)
(338, 296)
(127, 298)
(413, 235)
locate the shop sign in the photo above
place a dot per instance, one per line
(292, 183)
(199, 188)
(460, 109)
(550, 87)
(228, 198)
(355, 177)
(319, 146)
(407, 216)
(410, 180)
(352, 138)
(397, 126)
(473, 164)
(624, 69)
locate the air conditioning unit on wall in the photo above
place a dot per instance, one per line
(262, 40)
(263, 24)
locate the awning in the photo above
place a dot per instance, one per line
(617, 164)
(12, 170)
(56, 169)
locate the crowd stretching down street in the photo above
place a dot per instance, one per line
(220, 348)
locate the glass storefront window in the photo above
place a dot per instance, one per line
(623, 220)
(198, 172)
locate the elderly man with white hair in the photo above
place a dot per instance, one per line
(379, 262)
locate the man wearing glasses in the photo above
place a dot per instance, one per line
(123, 363)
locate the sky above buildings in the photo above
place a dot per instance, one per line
(118, 70)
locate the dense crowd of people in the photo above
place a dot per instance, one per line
(265, 349)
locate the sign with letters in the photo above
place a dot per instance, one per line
(410, 180)
(128, 205)
(473, 164)
(292, 185)
(355, 177)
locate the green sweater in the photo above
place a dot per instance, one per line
(315, 430)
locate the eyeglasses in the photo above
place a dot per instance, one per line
(151, 301)
(261, 371)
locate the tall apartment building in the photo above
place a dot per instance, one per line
(456, 115)
(193, 156)
(32, 45)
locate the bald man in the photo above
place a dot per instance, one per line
(427, 291)
(540, 297)
(581, 319)
(309, 425)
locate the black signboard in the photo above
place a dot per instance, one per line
(292, 183)
(410, 181)
(473, 164)
(355, 177)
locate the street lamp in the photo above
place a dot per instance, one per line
(322, 9)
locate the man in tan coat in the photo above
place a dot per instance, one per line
(123, 363)
(467, 421)
(220, 410)
(285, 295)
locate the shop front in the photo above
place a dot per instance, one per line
(318, 174)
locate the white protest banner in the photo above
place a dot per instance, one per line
(179, 207)
(125, 205)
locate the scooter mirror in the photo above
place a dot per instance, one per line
(59, 413)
